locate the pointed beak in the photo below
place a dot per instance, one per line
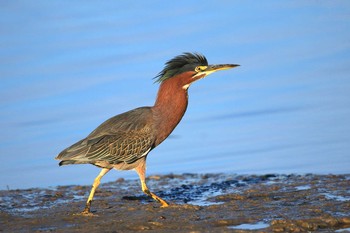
(206, 70)
(213, 68)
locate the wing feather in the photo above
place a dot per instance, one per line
(124, 138)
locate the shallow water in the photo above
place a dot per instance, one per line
(66, 69)
(250, 226)
(343, 230)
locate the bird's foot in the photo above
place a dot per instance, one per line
(86, 212)
(155, 197)
(164, 205)
(160, 200)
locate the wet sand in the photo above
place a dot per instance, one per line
(198, 203)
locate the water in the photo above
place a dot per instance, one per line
(343, 230)
(68, 66)
(250, 226)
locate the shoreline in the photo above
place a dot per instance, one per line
(199, 203)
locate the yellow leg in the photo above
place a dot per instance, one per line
(96, 183)
(141, 169)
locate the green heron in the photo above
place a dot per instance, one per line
(124, 141)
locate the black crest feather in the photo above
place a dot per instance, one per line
(180, 64)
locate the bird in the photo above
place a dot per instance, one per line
(124, 141)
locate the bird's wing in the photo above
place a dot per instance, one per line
(124, 138)
(123, 147)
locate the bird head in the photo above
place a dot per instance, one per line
(188, 68)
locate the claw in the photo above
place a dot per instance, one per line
(160, 200)
(164, 204)
(86, 213)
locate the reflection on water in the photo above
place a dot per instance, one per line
(64, 70)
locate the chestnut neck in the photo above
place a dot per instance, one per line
(170, 106)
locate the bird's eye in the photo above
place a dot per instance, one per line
(200, 68)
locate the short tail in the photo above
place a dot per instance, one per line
(68, 162)
(73, 154)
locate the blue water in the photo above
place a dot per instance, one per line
(66, 66)
(250, 226)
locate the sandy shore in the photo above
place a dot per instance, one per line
(199, 203)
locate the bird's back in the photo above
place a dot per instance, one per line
(124, 138)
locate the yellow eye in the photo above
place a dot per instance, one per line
(200, 68)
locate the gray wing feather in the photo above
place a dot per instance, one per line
(124, 138)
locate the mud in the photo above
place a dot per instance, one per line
(199, 203)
